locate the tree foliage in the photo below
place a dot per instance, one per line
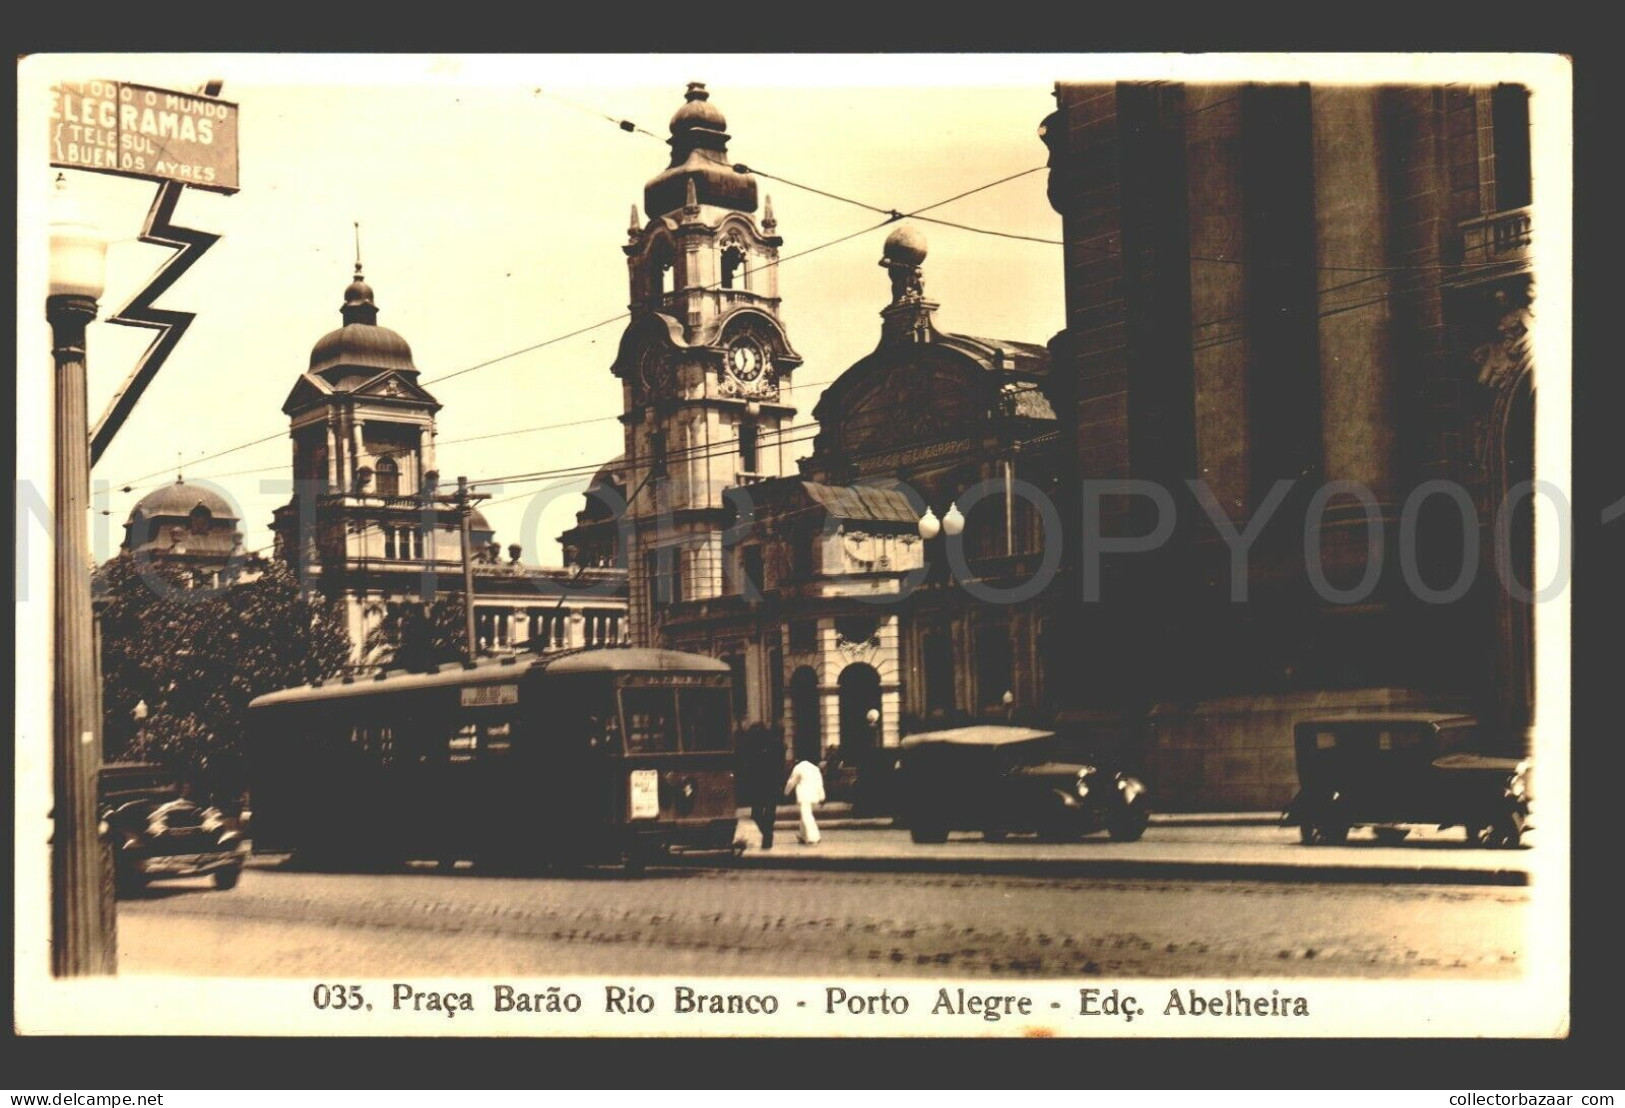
(196, 656)
(418, 637)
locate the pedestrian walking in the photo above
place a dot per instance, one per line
(763, 777)
(807, 783)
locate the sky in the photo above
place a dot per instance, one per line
(493, 198)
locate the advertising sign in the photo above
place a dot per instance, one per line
(152, 133)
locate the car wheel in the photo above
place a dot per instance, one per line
(995, 836)
(1391, 836)
(1319, 834)
(1503, 834)
(1128, 824)
(928, 834)
(227, 878)
(634, 861)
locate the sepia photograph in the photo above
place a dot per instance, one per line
(793, 545)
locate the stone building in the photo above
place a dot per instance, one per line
(1271, 288)
(369, 520)
(811, 577)
(189, 526)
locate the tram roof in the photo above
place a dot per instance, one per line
(613, 659)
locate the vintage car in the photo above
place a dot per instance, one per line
(999, 779)
(1386, 771)
(156, 832)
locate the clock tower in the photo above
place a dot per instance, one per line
(704, 364)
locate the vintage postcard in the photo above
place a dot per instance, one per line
(1044, 545)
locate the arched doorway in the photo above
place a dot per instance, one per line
(804, 715)
(859, 686)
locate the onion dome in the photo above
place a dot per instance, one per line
(360, 347)
(699, 158)
(905, 246)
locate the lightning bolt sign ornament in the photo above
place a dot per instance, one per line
(189, 245)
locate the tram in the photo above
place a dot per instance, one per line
(606, 754)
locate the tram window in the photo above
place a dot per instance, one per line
(498, 737)
(705, 719)
(650, 724)
(463, 742)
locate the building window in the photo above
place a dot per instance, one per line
(388, 474)
(748, 438)
(803, 636)
(389, 542)
(662, 276)
(732, 259)
(775, 686)
(1509, 107)
(665, 575)
(802, 560)
(938, 661)
(200, 520)
(992, 664)
(417, 543)
(750, 564)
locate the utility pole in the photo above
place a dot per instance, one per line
(464, 513)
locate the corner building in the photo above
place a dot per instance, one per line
(804, 569)
(1299, 284)
(370, 523)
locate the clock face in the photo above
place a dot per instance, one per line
(656, 370)
(746, 362)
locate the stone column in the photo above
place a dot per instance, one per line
(332, 454)
(356, 439)
(1218, 293)
(1351, 229)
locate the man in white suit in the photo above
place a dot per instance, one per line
(807, 783)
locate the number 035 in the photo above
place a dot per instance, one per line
(340, 997)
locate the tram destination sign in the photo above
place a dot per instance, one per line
(139, 131)
(483, 696)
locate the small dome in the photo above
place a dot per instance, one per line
(906, 245)
(477, 522)
(361, 343)
(699, 159)
(698, 112)
(358, 293)
(179, 500)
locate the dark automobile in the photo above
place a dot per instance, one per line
(156, 832)
(1000, 779)
(1386, 771)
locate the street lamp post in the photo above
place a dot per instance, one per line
(83, 923)
(951, 525)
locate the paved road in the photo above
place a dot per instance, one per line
(786, 923)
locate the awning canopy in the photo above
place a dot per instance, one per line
(863, 504)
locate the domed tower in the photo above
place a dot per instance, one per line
(704, 363)
(363, 433)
